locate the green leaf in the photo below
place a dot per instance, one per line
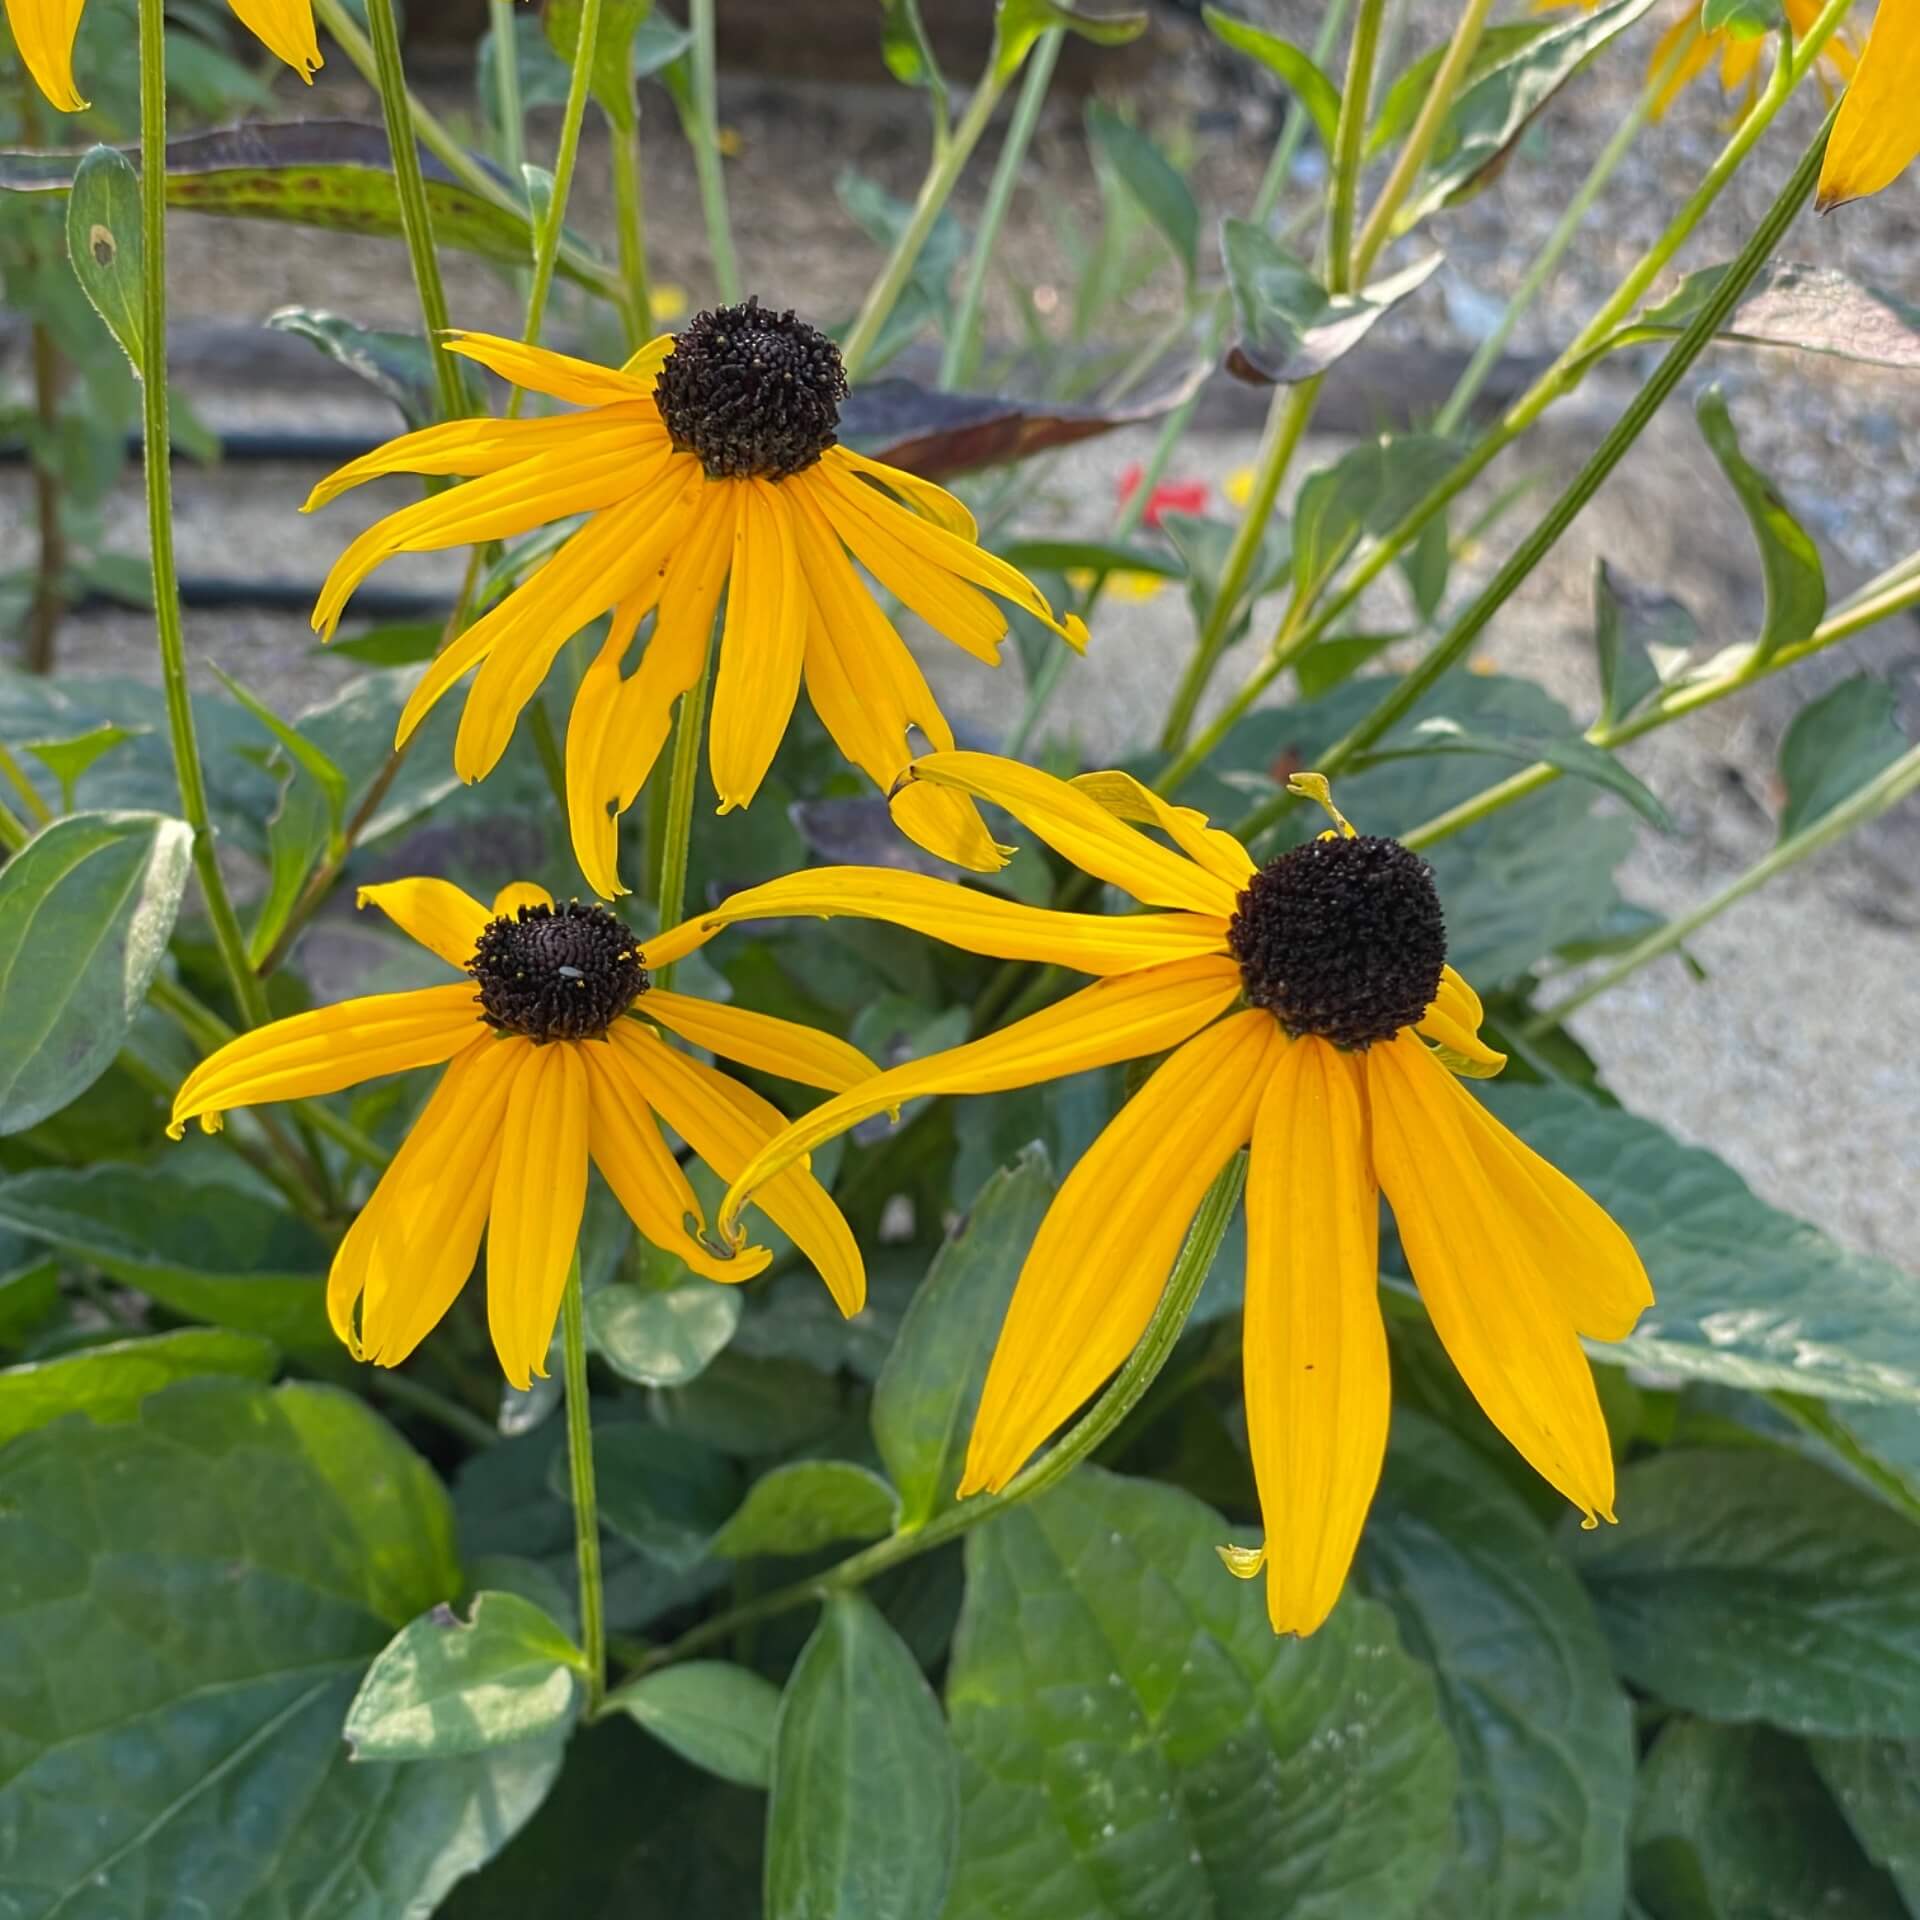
(109, 1383)
(309, 758)
(660, 46)
(403, 643)
(191, 1598)
(1744, 19)
(1096, 556)
(1017, 24)
(1796, 581)
(1135, 1741)
(1835, 746)
(1314, 91)
(612, 79)
(107, 247)
(806, 1505)
(206, 1250)
(665, 1492)
(86, 910)
(929, 1389)
(1743, 1294)
(1368, 489)
(1151, 179)
(1733, 1824)
(1753, 1585)
(864, 1806)
(298, 834)
(1877, 1783)
(1544, 1733)
(395, 365)
(445, 1686)
(1400, 105)
(68, 759)
(1640, 639)
(1291, 327)
(1339, 657)
(1485, 121)
(666, 1338)
(1572, 753)
(29, 1292)
(1204, 544)
(719, 1716)
(908, 52)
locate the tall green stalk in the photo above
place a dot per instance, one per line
(689, 728)
(586, 1505)
(630, 218)
(546, 252)
(703, 135)
(506, 84)
(1349, 146)
(248, 994)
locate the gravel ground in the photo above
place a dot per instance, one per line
(1769, 1062)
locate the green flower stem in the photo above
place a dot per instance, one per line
(1093, 1430)
(703, 135)
(689, 727)
(1447, 80)
(949, 162)
(506, 84)
(630, 214)
(15, 777)
(416, 220)
(1733, 284)
(586, 1506)
(1885, 790)
(1349, 146)
(962, 356)
(225, 924)
(14, 833)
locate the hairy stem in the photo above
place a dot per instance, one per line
(586, 1508)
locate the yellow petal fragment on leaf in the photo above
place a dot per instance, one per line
(1244, 1563)
(1315, 1347)
(762, 1040)
(445, 919)
(1878, 132)
(1099, 1263)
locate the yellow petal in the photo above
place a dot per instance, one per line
(1126, 1017)
(1315, 1348)
(1099, 1263)
(593, 817)
(1695, 52)
(726, 1125)
(761, 648)
(1487, 1255)
(1878, 132)
(761, 1040)
(517, 894)
(539, 1193)
(540, 370)
(284, 27)
(646, 1179)
(644, 363)
(43, 31)
(445, 919)
(961, 916)
(935, 503)
(1078, 827)
(1126, 799)
(330, 1048)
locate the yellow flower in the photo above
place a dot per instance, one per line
(43, 30)
(706, 464)
(544, 1070)
(1309, 1013)
(1878, 132)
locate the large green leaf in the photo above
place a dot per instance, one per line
(86, 909)
(665, 1492)
(204, 1249)
(1136, 1742)
(1743, 1293)
(924, 1402)
(1749, 1584)
(806, 1505)
(105, 245)
(1150, 178)
(1310, 87)
(1527, 1690)
(864, 1806)
(190, 1599)
(1877, 1783)
(1639, 639)
(662, 1337)
(719, 1716)
(1732, 1824)
(108, 1383)
(1835, 746)
(1367, 490)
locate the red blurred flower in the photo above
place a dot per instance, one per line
(1170, 496)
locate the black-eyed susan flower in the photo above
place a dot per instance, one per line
(553, 1058)
(44, 30)
(1308, 1012)
(1877, 134)
(708, 463)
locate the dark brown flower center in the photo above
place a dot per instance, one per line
(755, 394)
(1342, 938)
(557, 973)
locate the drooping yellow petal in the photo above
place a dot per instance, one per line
(1126, 1017)
(727, 1125)
(1878, 132)
(329, 1049)
(1839, 54)
(1126, 799)
(540, 370)
(284, 27)
(1315, 1347)
(1452, 1023)
(1483, 1252)
(1079, 828)
(445, 919)
(781, 1047)
(43, 30)
(961, 916)
(539, 1194)
(935, 503)
(517, 894)
(1100, 1261)
(762, 647)
(646, 1179)
(644, 363)
(593, 819)
(1689, 49)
